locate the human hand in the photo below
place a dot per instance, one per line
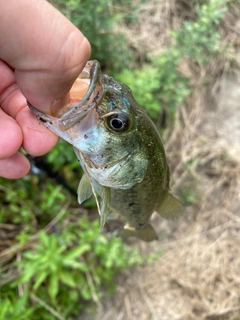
(41, 55)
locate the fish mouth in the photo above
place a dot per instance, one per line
(76, 112)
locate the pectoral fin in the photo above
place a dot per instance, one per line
(84, 190)
(146, 233)
(171, 207)
(105, 200)
(88, 187)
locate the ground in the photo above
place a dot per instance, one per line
(197, 276)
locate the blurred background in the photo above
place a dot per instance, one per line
(181, 59)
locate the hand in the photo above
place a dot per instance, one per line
(41, 55)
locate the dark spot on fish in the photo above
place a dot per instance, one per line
(85, 136)
(132, 205)
(44, 121)
(140, 225)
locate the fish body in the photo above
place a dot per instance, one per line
(123, 158)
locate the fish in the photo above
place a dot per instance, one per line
(121, 153)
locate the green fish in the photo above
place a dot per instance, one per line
(121, 153)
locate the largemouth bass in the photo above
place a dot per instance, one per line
(120, 151)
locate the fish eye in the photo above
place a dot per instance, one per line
(117, 122)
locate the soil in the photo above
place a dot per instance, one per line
(197, 275)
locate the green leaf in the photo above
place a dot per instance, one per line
(67, 278)
(53, 285)
(41, 276)
(75, 265)
(77, 252)
(28, 273)
(20, 303)
(5, 306)
(44, 238)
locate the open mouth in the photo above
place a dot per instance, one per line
(86, 93)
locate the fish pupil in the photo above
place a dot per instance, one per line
(116, 123)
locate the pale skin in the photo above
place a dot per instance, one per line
(41, 55)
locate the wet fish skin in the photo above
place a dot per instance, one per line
(124, 160)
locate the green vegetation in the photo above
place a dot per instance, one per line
(97, 19)
(159, 85)
(65, 270)
(66, 265)
(59, 260)
(199, 40)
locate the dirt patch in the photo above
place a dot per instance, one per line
(225, 121)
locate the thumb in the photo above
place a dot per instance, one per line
(46, 51)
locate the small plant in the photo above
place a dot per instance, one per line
(65, 270)
(97, 20)
(30, 202)
(159, 86)
(144, 84)
(15, 309)
(199, 39)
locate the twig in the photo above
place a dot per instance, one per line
(20, 285)
(46, 306)
(19, 247)
(92, 289)
(147, 301)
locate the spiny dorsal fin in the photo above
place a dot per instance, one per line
(84, 190)
(171, 207)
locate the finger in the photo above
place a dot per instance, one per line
(45, 65)
(11, 136)
(15, 167)
(11, 99)
(34, 137)
(37, 139)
